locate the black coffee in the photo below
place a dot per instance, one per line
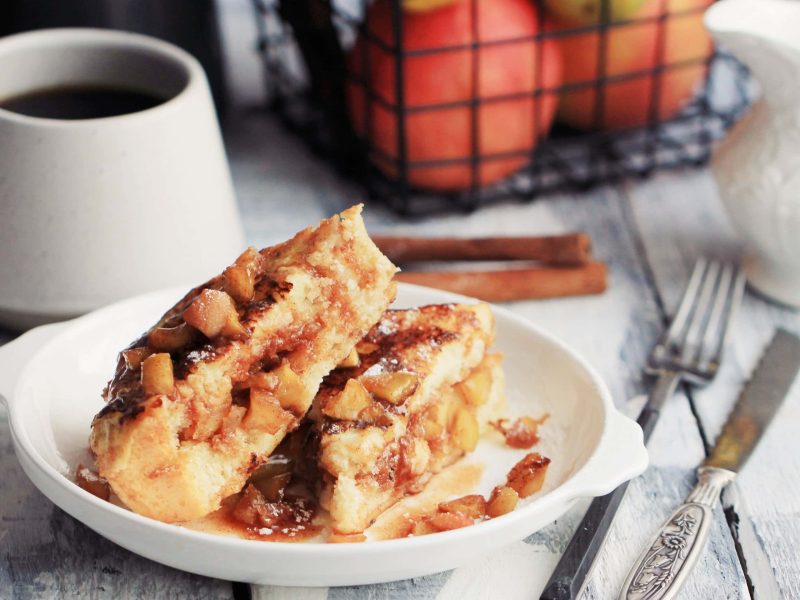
(80, 103)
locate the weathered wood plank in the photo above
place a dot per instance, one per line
(687, 212)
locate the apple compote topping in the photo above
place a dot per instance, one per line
(133, 357)
(524, 479)
(267, 509)
(346, 538)
(213, 313)
(394, 387)
(239, 279)
(272, 477)
(446, 521)
(190, 333)
(473, 506)
(157, 376)
(454, 514)
(348, 405)
(527, 476)
(265, 413)
(92, 482)
(465, 429)
(350, 361)
(502, 501)
(290, 517)
(170, 339)
(364, 399)
(522, 433)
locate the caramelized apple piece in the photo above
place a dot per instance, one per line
(432, 428)
(214, 313)
(170, 339)
(475, 388)
(261, 380)
(351, 360)
(92, 482)
(157, 376)
(415, 454)
(239, 280)
(527, 476)
(252, 260)
(473, 506)
(436, 418)
(256, 511)
(290, 390)
(272, 477)
(502, 501)
(239, 283)
(348, 404)
(232, 420)
(522, 433)
(375, 414)
(346, 538)
(265, 413)
(423, 527)
(392, 387)
(465, 430)
(133, 357)
(366, 347)
(246, 508)
(445, 521)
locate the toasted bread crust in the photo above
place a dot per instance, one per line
(391, 449)
(174, 456)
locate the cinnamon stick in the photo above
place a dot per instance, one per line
(568, 249)
(516, 284)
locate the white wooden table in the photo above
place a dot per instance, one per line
(650, 233)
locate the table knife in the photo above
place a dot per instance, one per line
(663, 567)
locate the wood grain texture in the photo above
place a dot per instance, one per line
(681, 218)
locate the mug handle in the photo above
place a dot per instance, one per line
(15, 355)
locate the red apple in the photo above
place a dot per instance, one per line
(439, 86)
(632, 54)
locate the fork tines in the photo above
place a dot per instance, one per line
(695, 339)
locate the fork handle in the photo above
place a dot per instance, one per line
(662, 568)
(570, 574)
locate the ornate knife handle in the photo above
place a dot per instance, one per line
(661, 569)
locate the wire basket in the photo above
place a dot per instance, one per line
(316, 69)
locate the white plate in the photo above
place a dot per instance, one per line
(52, 377)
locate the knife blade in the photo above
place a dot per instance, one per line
(662, 568)
(759, 401)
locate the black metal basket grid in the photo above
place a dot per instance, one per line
(303, 45)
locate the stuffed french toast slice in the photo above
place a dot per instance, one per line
(202, 398)
(411, 399)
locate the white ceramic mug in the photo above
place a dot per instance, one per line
(95, 210)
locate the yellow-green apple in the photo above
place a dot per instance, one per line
(650, 67)
(425, 5)
(591, 11)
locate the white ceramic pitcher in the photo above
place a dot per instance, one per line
(757, 167)
(96, 210)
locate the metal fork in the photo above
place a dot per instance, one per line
(689, 350)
